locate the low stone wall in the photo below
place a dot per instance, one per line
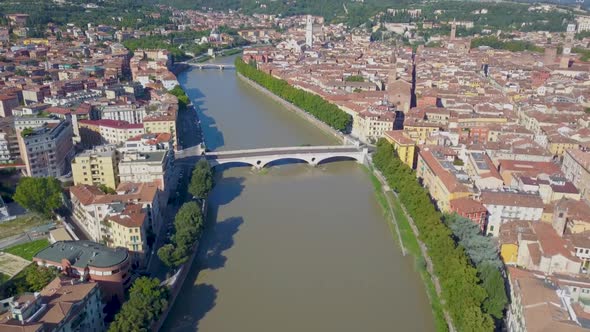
(338, 135)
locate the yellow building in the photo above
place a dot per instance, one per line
(432, 167)
(36, 41)
(558, 144)
(128, 230)
(97, 166)
(419, 131)
(511, 232)
(161, 124)
(403, 146)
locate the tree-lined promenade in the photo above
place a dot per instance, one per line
(315, 105)
(472, 289)
(148, 300)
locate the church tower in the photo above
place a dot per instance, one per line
(309, 31)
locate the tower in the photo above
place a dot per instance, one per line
(453, 30)
(309, 31)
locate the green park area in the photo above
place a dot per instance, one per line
(21, 225)
(29, 249)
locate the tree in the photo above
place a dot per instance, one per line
(39, 277)
(201, 179)
(42, 195)
(106, 189)
(147, 301)
(165, 253)
(493, 283)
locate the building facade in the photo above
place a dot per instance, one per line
(97, 166)
(47, 150)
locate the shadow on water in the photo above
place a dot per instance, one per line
(218, 237)
(190, 316)
(226, 190)
(208, 125)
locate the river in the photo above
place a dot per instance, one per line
(291, 248)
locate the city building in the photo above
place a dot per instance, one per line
(471, 209)
(537, 305)
(128, 229)
(91, 206)
(129, 113)
(369, 125)
(9, 150)
(7, 104)
(505, 206)
(403, 146)
(97, 166)
(109, 267)
(444, 181)
(147, 167)
(576, 168)
(63, 305)
(48, 149)
(97, 132)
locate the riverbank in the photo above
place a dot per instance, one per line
(400, 225)
(324, 127)
(179, 278)
(403, 232)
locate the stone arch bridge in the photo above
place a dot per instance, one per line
(259, 158)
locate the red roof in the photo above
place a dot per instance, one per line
(112, 124)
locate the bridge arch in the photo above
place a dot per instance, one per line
(283, 161)
(332, 159)
(231, 164)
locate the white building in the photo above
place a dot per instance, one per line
(147, 167)
(129, 113)
(503, 206)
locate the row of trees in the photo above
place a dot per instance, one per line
(483, 253)
(188, 222)
(183, 99)
(461, 290)
(309, 102)
(147, 301)
(509, 45)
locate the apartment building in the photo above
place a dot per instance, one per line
(7, 104)
(403, 146)
(161, 124)
(109, 267)
(576, 168)
(48, 149)
(537, 305)
(505, 206)
(97, 132)
(444, 181)
(128, 229)
(129, 113)
(370, 125)
(97, 166)
(91, 206)
(63, 305)
(147, 167)
(9, 150)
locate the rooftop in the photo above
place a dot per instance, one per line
(83, 253)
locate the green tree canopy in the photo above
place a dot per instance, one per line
(493, 283)
(201, 179)
(42, 195)
(147, 301)
(188, 225)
